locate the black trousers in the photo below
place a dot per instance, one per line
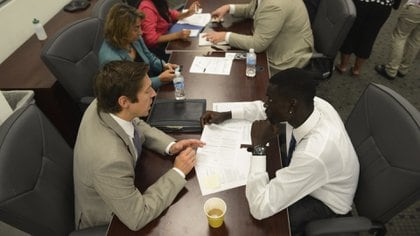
(369, 20)
(306, 210)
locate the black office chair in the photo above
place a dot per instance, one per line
(72, 57)
(333, 21)
(385, 131)
(102, 7)
(36, 176)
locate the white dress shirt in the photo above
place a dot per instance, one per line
(324, 165)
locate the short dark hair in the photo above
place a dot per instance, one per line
(296, 83)
(116, 79)
(121, 17)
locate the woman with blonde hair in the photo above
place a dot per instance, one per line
(123, 42)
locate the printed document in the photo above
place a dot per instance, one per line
(211, 65)
(196, 19)
(221, 163)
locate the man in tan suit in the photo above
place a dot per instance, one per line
(108, 145)
(281, 27)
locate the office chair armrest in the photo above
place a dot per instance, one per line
(94, 231)
(318, 55)
(339, 225)
(86, 100)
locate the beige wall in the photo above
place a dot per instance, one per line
(16, 21)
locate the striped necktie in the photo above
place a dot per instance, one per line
(136, 141)
(256, 6)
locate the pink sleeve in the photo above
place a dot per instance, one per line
(148, 26)
(174, 15)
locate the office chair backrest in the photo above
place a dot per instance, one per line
(72, 57)
(333, 21)
(36, 175)
(102, 7)
(385, 131)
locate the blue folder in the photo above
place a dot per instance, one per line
(178, 27)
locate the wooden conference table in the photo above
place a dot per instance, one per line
(186, 216)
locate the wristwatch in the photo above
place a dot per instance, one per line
(259, 150)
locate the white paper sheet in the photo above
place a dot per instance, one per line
(194, 33)
(221, 163)
(196, 19)
(211, 65)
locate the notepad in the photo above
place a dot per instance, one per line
(196, 19)
(194, 33)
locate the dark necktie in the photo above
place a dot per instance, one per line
(256, 6)
(292, 146)
(136, 141)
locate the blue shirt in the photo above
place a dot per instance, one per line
(109, 53)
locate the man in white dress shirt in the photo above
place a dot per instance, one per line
(320, 176)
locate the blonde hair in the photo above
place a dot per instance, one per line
(119, 23)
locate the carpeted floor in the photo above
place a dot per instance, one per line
(342, 91)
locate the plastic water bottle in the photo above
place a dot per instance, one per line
(251, 62)
(39, 30)
(179, 85)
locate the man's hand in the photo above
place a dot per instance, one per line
(215, 37)
(262, 131)
(209, 117)
(218, 14)
(185, 143)
(186, 160)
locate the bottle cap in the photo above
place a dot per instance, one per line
(251, 50)
(35, 21)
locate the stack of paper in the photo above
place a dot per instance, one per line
(211, 65)
(196, 19)
(221, 163)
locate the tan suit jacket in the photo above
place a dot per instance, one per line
(281, 27)
(104, 164)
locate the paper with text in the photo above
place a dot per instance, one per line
(196, 19)
(221, 163)
(211, 65)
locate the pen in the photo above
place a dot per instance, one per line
(220, 48)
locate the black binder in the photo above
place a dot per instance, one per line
(172, 115)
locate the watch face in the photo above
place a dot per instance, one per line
(259, 150)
